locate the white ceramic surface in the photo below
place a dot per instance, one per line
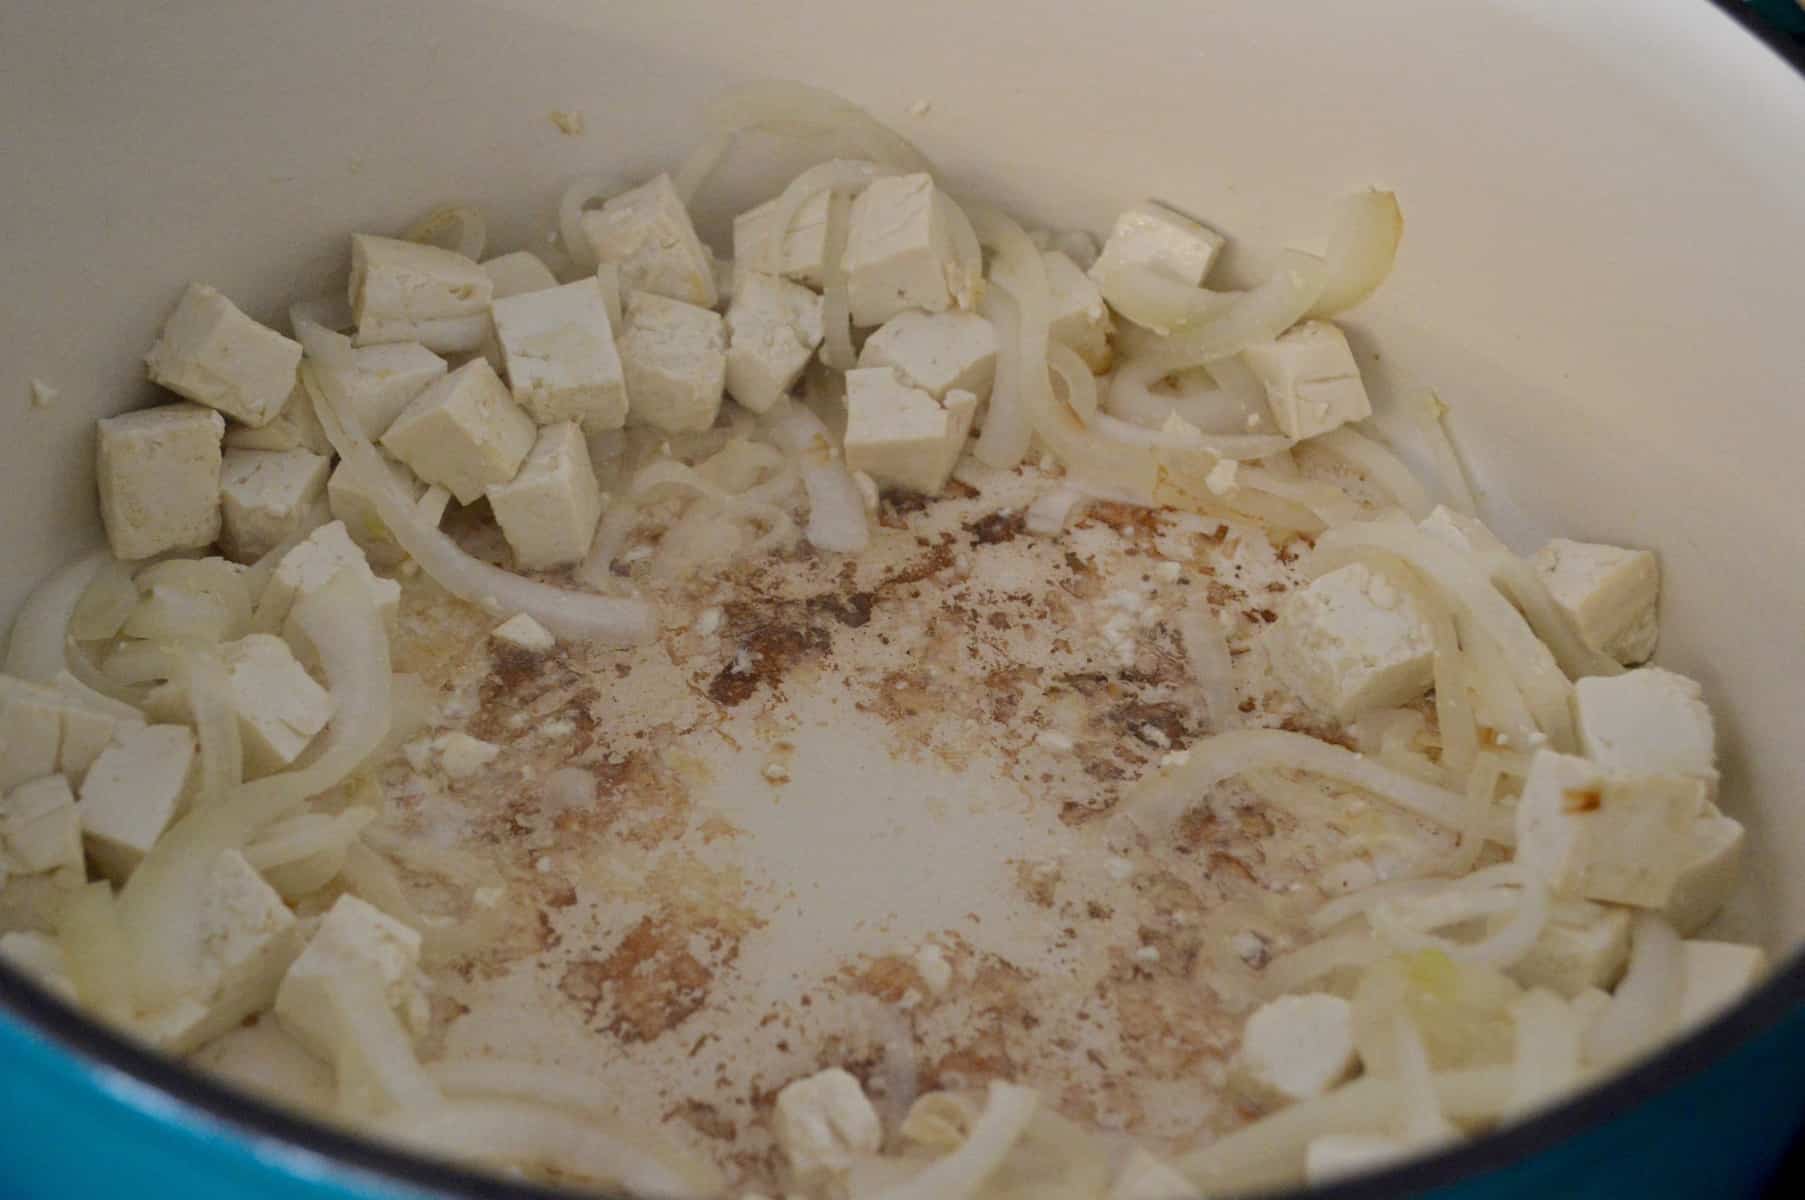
(1606, 225)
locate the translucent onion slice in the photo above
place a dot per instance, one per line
(455, 227)
(1090, 457)
(578, 616)
(1524, 586)
(1212, 667)
(373, 1056)
(98, 954)
(836, 300)
(1429, 415)
(1406, 924)
(1256, 316)
(509, 1132)
(1380, 465)
(1368, 227)
(105, 604)
(1646, 1005)
(785, 107)
(34, 650)
(1547, 1062)
(215, 727)
(699, 165)
(1159, 302)
(1021, 399)
(962, 1173)
(1156, 804)
(837, 520)
(578, 195)
(1219, 411)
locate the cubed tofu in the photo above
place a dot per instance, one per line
(40, 957)
(1153, 236)
(1312, 383)
(549, 510)
(280, 708)
(647, 233)
(675, 357)
(266, 497)
(1601, 835)
(408, 292)
(1712, 870)
(40, 826)
(560, 355)
(901, 252)
(1294, 1048)
(213, 354)
(464, 432)
(1612, 595)
(133, 792)
(46, 729)
(901, 436)
(353, 936)
(936, 352)
(1336, 1156)
(1078, 317)
(1649, 721)
(1349, 642)
(295, 427)
(158, 471)
(388, 378)
(824, 1123)
(773, 329)
(517, 274)
(1144, 1177)
(802, 254)
(523, 633)
(312, 565)
(1716, 975)
(352, 503)
(248, 940)
(1583, 945)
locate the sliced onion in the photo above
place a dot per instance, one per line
(455, 227)
(846, 177)
(1256, 316)
(578, 195)
(373, 1056)
(98, 955)
(1156, 804)
(1381, 466)
(1523, 584)
(1362, 248)
(1080, 385)
(1427, 412)
(701, 163)
(782, 106)
(1646, 1005)
(1459, 578)
(34, 651)
(1090, 457)
(1355, 904)
(1328, 504)
(836, 300)
(1212, 667)
(574, 615)
(371, 877)
(837, 520)
(1547, 1063)
(962, 1173)
(216, 729)
(1221, 410)
(305, 835)
(1420, 1106)
(1003, 441)
(1405, 924)
(105, 604)
(1158, 302)
(212, 579)
(1021, 399)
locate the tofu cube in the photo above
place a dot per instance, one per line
(901, 253)
(351, 503)
(773, 329)
(1599, 835)
(549, 510)
(312, 565)
(408, 292)
(40, 958)
(517, 274)
(133, 792)
(901, 436)
(1649, 721)
(280, 708)
(248, 939)
(1312, 383)
(824, 1123)
(1144, 1177)
(523, 633)
(213, 354)
(936, 352)
(353, 936)
(1079, 318)
(464, 432)
(158, 471)
(266, 497)
(1294, 1048)
(647, 233)
(1716, 975)
(1611, 594)
(1712, 870)
(1349, 642)
(31, 732)
(803, 252)
(560, 355)
(1583, 946)
(295, 427)
(388, 378)
(1153, 236)
(675, 358)
(40, 826)
(86, 733)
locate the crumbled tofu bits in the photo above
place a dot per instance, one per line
(635, 405)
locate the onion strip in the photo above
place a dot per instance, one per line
(837, 520)
(1380, 465)
(1646, 1005)
(786, 107)
(962, 1173)
(1212, 666)
(1256, 316)
(1362, 248)
(35, 649)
